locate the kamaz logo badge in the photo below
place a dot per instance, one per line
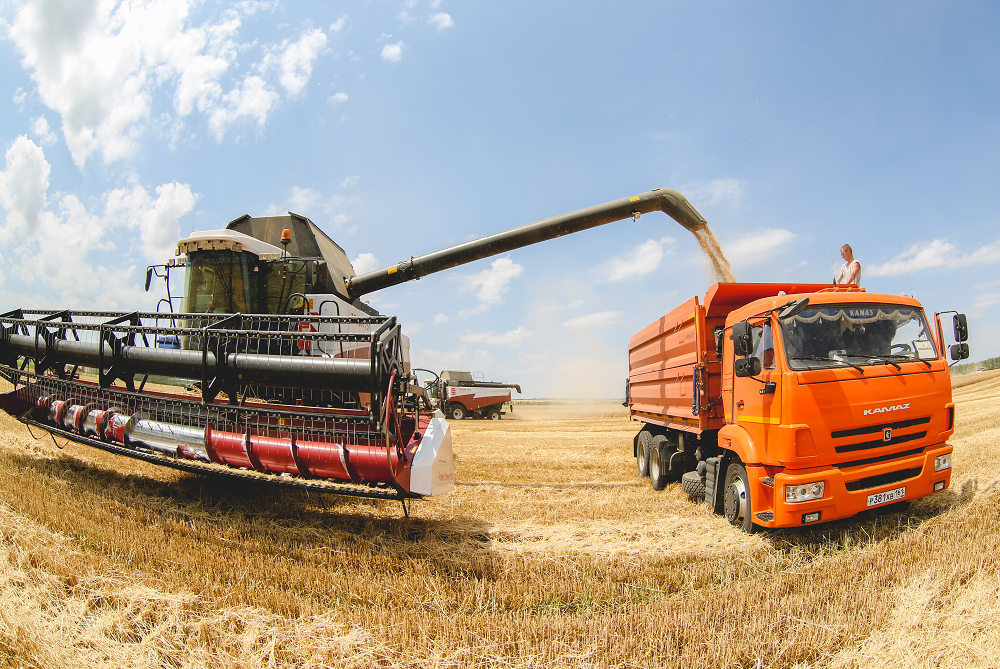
(887, 434)
(898, 407)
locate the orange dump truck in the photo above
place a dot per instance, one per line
(789, 404)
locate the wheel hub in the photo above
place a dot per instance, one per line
(736, 501)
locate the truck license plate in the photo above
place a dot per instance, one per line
(887, 496)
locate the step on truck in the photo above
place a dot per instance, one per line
(783, 405)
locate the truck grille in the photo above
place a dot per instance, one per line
(883, 479)
(865, 445)
(880, 458)
(872, 429)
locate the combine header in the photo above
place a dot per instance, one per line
(320, 440)
(300, 382)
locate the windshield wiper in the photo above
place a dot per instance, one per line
(905, 358)
(842, 362)
(885, 360)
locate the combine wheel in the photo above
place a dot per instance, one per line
(659, 462)
(458, 413)
(693, 484)
(739, 510)
(642, 453)
(493, 415)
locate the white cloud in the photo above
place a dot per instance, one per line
(491, 283)
(97, 64)
(313, 204)
(460, 358)
(393, 52)
(440, 21)
(22, 191)
(350, 182)
(338, 25)
(756, 247)
(600, 319)
(937, 253)
(253, 100)
(435, 4)
(440, 318)
(366, 262)
(297, 60)
(639, 261)
(53, 244)
(986, 300)
(40, 129)
(336, 99)
(716, 191)
(510, 338)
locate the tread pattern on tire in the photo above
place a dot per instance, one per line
(693, 484)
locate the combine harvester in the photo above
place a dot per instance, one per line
(301, 383)
(458, 395)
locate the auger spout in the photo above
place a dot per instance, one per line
(666, 200)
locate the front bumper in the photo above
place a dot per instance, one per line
(848, 490)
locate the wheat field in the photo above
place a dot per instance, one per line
(551, 552)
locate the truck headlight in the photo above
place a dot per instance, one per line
(804, 492)
(942, 462)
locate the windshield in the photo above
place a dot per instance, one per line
(216, 283)
(856, 334)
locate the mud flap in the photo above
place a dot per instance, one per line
(711, 476)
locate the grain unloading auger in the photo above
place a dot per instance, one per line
(301, 383)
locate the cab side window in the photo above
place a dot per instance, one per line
(763, 345)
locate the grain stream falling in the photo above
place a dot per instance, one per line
(717, 260)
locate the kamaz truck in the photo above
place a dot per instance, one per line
(783, 405)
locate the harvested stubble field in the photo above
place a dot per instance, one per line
(550, 553)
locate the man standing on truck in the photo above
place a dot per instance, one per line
(850, 271)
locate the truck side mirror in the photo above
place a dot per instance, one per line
(741, 338)
(748, 367)
(959, 351)
(961, 328)
(149, 277)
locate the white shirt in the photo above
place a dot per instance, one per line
(845, 272)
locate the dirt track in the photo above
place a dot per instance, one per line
(550, 552)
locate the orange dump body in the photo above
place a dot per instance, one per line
(871, 433)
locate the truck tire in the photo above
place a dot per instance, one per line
(458, 412)
(693, 484)
(493, 414)
(659, 462)
(739, 509)
(642, 453)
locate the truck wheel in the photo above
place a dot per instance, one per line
(642, 453)
(494, 415)
(659, 462)
(739, 510)
(458, 413)
(693, 484)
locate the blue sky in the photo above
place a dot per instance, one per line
(404, 127)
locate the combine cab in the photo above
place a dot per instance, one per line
(299, 381)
